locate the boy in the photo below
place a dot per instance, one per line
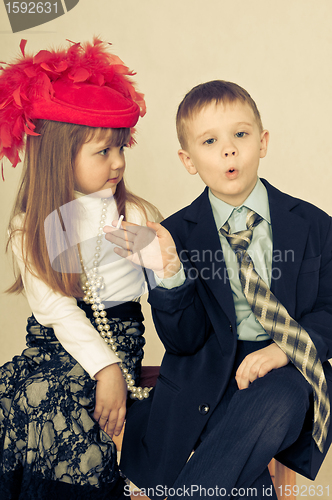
(226, 389)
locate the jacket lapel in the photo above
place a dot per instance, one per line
(205, 252)
(290, 233)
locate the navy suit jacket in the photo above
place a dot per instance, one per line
(196, 323)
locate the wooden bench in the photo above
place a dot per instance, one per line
(281, 475)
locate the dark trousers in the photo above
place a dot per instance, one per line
(246, 430)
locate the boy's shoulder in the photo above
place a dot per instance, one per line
(192, 212)
(279, 200)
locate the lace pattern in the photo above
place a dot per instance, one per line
(49, 440)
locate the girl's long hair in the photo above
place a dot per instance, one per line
(48, 184)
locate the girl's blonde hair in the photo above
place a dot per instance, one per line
(48, 184)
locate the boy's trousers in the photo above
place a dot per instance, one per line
(246, 430)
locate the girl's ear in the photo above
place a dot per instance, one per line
(187, 161)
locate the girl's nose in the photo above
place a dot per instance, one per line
(118, 161)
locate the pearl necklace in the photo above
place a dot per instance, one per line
(92, 284)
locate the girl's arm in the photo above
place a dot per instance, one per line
(79, 338)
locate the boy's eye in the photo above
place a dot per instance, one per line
(240, 134)
(209, 141)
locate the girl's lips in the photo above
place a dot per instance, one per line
(113, 180)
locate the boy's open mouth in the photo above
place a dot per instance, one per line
(232, 173)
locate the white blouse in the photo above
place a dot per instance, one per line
(123, 282)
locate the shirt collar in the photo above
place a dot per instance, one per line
(257, 201)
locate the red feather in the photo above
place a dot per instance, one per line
(22, 46)
(30, 78)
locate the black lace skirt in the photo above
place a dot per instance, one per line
(51, 447)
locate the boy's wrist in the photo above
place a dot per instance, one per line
(170, 270)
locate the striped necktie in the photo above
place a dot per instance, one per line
(284, 330)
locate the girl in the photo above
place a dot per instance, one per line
(62, 400)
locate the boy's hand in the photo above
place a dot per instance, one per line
(111, 395)
(151, 247)
(259, 363)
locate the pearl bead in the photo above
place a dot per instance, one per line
(90, 286)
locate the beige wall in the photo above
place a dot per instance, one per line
(281, 52)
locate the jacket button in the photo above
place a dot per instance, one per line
(230, 327)
(203, 409)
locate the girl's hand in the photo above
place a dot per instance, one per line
(111, 395)
(151, 247)
(257, 364)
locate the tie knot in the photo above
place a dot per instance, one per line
(240, 241)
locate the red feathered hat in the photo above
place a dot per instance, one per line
(84, 84)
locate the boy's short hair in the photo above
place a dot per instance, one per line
(204, 94)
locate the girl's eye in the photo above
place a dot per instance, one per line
(123, 147)
(240, 134)
(209, 141)
(104, 152)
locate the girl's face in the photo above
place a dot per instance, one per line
(99, 166)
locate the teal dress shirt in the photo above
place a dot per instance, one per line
(260, 251)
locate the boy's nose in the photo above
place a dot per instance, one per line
(229, 149)
(229, 153)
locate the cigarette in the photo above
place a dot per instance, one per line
(119, 222)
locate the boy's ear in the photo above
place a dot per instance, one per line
(265, 136)
(187, 162)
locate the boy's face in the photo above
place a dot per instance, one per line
(224, 146)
